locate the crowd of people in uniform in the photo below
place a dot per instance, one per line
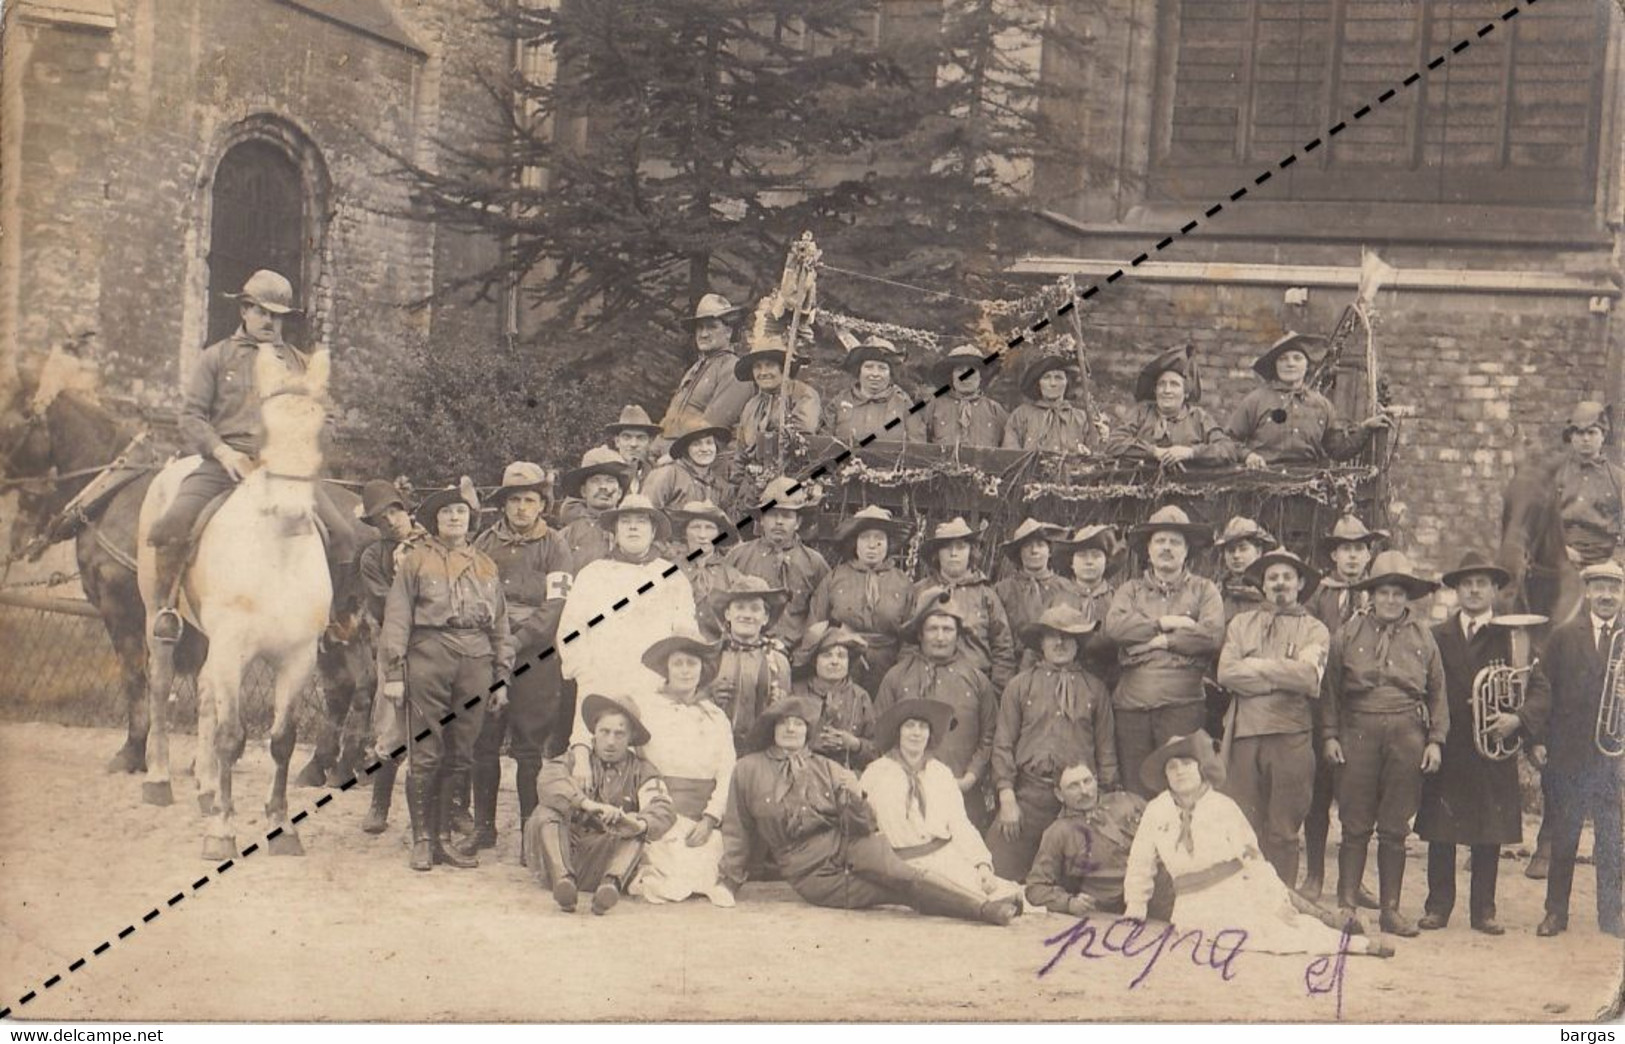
(688, 709)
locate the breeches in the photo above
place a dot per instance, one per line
(1139, 732)
(862, 873)
(1380, 783)
(207, 481)
(1272, 779)
(440, 680)
(529, 719)
(1039, 807)
(590, 855)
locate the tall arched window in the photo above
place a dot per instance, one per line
(258, 222)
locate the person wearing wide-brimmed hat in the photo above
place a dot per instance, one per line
(867, 591)
(935, 667)
(809, 814)
(709, 391)
(1030, 585)
(698, 526)
(1167, 624)
(948, 554)
(220, 421)
(1590, 487)
(917, 803)
(874, 404)
(1239, 545)
(964, 415)
(779, 557)
(1051, 715)
(656, 600)
(1384, 720)
(1046, 420)
(753, 670)
(693, 472)
(1271, 667)
(632, 435)
(589, 832)
(1287, 422)
(757, 433)
(536, 567)
(1472, 800)
(1579, 781)
(595, 487)
(1083, 557)
(444, 642)
(1166, 425)
(1221, 883)
(822, 671)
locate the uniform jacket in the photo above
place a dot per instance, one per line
(759, 420)
(536, 571)
(1025, 596)
(1053, 427)
(851, 415)
(1385, 670)
(969, 746)
(845, 596)
(749, 678)
(1086, 853)
(1164, 677)
(965, 420)
(1331, 608)
(377, 566)
(707, 574)
(708, 391)
(1272, 664)
(1311, 432)
(1145, 429)
(586, 539)
(985, 637)
(786, 806)
(673, 484)
(222, 403)
(455, 590)
(632, 785)
(798, 569)
(1589, 495)
(1039, 734)
(847, 706)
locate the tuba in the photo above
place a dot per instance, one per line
(1500, 686)
(1610, 734)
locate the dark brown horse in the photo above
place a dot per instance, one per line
(1544, 581)
(71, 435)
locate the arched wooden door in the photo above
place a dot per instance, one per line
(258, 222)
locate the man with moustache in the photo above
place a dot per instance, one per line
(590, 490)
(1271, 665)
(779, 557)
(709, 392)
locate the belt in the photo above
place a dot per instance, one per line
(1199, 880)
(916, 851)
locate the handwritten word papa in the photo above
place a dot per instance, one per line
(1129, 938)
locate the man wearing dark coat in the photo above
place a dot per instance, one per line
(1471, 800)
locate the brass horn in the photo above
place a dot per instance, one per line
(1499, 687)
(1610, 733)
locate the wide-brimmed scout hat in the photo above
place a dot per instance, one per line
(963, 357)
(1101, 537)
(955, 528)
(747, 586)
(1476, 561)
(1589, 415)
(1306, 572)
(1180, 360)
(1031, 529)
(1350, 530)
(632, 418)
(1394, 567)
(822, 635)
(1171, 517)
(270, 290)
(700, 509)
(747, 362)
(596, 706)
(1042, 365)
(935, 713)
(933, 601)
(637, 504)
(761, 731)
(657, 655)
(1309, 344)
(1064, 620)
(377, 495)
(1241, 528)
(462, 493)
(871, 517)
(519, 477)
(1607, 570)
(875, 349)
(785, 494)
(713, 306)
(600, 460)
(691, 429)
(1198, 746)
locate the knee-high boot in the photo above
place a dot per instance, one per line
(930, 894)
(525, 772)
(1390, 882)
(549, 846)
(1351, 858)
(383, 792)
(445, 849)
(487, 776)
(420, 790)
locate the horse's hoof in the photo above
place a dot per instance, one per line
(313, 774)
(126, 760)
(286, 843)
(219, 847)
(157, 793)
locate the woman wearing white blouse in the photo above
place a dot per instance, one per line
(1221, 881)
(918, 805)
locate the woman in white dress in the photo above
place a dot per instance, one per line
(1221, 881)
(691, 744)
(918, 804)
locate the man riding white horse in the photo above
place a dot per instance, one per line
(220, 419)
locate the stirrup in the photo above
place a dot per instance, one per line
(167, 625)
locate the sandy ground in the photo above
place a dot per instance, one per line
(349, 933)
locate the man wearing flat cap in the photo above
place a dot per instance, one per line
(709, 391)
(1590, 488)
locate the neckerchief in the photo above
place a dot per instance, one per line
(1162, 427)
(860, 399)
(1186, 841)
(967, 405)
(1167, 588)
(791, 765)
(916, 793)
(1056, 414)
(505, 533)
(648, 556)
(871, 583)
(1068, 688)
(1386, 632)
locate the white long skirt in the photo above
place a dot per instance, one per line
(949, 863)
(672, 871)
(1256, 902)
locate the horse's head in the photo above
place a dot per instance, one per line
(293, 408)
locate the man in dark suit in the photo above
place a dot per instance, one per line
(1581, 780)
(1472, 800)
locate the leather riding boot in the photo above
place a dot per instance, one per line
(383, 791)
(1285, 862)
(458, 821)
(445, 850)
(525, 772)
(1350, 869)
(559, 874)
(419, 795)
(487, 781)
(1539, 863)
(169, 561)
(930, 894)
(1390, 882)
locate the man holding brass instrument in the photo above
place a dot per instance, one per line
(1474, 799)
(1581, 737)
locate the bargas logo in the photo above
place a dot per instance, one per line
(1587, 1036)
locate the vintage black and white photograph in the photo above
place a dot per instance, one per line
(785, 511)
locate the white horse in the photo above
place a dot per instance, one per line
(258, 586)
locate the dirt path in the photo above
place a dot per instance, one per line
(348, 933)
